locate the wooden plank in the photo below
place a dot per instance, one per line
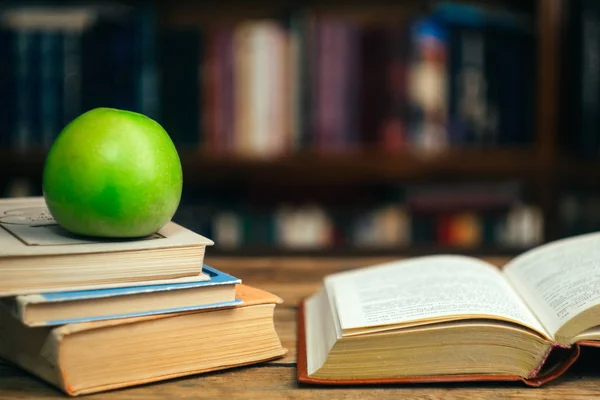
(297, 270)
(348, 251)
(291, 293)
(264, 270)
(294, 279)
(277, 382)
(17, 384)
(277, 379)
(285, 325)
(363, 166)
(208, 13)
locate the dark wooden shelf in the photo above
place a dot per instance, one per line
(362, 167)
(340, 168)
(345, 251)
(579, 172)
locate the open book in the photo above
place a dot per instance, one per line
(448, 317)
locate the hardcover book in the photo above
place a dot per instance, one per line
(454, 318)
(60, 308)
(97, 356)
(38, 256)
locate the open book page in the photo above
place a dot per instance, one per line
(560, 279)
(590, 334)
(426, 288)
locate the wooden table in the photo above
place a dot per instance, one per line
(293, 279)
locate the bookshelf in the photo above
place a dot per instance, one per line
(347, 167)
(540, 164)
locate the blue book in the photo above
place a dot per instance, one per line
(61, 308)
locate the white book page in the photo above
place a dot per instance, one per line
(560, 279)
(424, 288)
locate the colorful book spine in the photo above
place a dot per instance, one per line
(7, 86)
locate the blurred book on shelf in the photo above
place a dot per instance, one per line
(303, 80)
(579, 212)
(581, 64)
(362, 94)
(461, 217)
(59, 61)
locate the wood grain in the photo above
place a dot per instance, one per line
(277, 381)
(294, 279)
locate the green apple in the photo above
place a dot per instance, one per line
(112, 173)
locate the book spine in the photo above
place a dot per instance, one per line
(510, 65)
(315, 61)
(20, 309)
(211, 82)
(550, 369)
(242, 59)
(589, 84)
(394, 122)
(428, 86)
(258, 96)
(229, 85)
(50, 87)
(71, 46)
(306, 70)
(26, 353)
(126, 67)
(373, 83)
(14, 306)
(147, 84)
(7, 86)
(346, 129)
(468, 100)
(181, 86)
(22, 134)
(197, 135)
(296, 80)
(279, 137)
(35, 77)
(327, 74)
(337, 77)
(350, 90)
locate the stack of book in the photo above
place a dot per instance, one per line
(91, 315)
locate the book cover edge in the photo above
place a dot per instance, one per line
(250, 296)
(190, 239)
(177, 310)
(55, 297)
